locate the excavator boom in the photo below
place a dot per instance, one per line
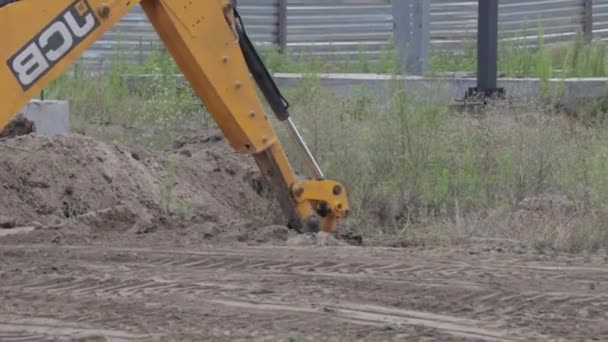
(207, 40)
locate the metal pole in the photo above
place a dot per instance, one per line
(487, 45)
(588, 20)
(402, 30)
(421, 37)
(282, 25)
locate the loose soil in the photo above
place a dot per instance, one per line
(91, 252)
(19, 125)
(271, 293)
(78, 189)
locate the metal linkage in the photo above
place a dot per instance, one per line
(312, 164)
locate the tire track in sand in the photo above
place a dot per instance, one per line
(44, 329)
(374, 315)
(185, 274)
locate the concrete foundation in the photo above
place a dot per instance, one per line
(568, 91)
(50, 117)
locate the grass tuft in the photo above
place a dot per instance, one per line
(414, 168)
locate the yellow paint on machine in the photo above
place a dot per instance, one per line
(40, 39)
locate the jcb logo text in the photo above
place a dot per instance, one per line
(49, 46)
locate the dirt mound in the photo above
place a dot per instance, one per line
(19, 125)
(92, 188)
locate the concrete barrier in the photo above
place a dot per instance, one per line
(51, 117)
(567, 91)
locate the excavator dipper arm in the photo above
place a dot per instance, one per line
(207, 40)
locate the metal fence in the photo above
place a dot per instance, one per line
(135, 39)
(343, 28)
(455, 21)
(338, 28)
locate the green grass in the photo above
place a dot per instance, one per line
(517, 58)
(167, 186)
(414, 168)
(163, 105)
(304, 62)
(417, 169)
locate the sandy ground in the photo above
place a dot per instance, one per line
(89, 253)
(271, 293)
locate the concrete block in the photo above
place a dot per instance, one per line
(51, 117)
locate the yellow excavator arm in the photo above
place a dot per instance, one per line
(207, 40)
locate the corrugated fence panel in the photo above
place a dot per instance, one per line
(342, 28)
(453, 22)
(339, 28)
(261, 18)
(600, 19)
(134, 37)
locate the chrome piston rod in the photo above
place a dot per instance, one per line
(308, 157)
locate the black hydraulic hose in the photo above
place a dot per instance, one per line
(260, 73)
(6, 2)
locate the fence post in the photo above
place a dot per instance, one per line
(402, 30)
(282, 25)
(588, 20)
(412, 34)
(418, 59)
(487, 45)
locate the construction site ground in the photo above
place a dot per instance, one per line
(88, 252)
